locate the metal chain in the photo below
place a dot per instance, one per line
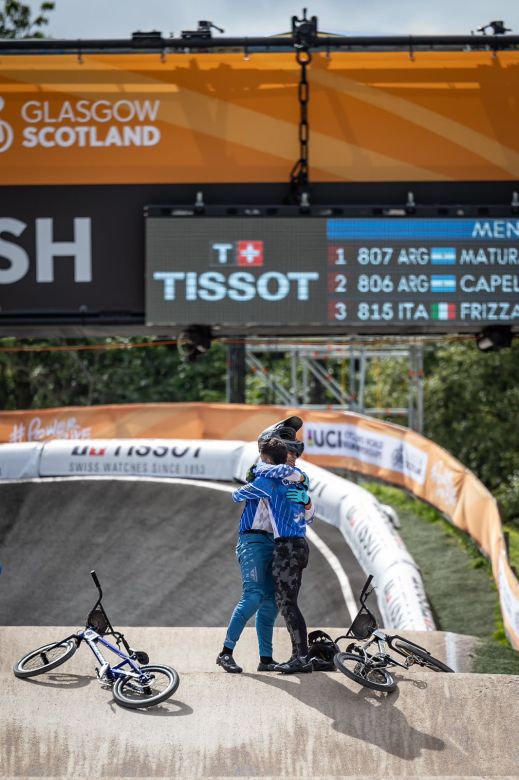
(299, 173)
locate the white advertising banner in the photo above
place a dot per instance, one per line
(20, 461)
(196, 459)
(377, 449)
(402, 600)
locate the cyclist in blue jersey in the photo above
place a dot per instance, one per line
(291, 509)
(254, 551)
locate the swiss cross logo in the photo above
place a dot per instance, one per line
(249, 252)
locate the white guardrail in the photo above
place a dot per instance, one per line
(362, 520)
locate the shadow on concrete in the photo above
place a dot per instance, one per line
(366, 715)
(171, 708)
(62, 680)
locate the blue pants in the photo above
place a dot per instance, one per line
(254, 553)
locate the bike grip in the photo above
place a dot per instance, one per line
(95, 578)
(366, 585)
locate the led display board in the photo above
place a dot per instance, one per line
(362, 275)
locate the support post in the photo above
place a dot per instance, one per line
(236, 370)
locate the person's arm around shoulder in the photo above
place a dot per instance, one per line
(259, 488)
(280, 471)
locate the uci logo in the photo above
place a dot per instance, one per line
(6, 132)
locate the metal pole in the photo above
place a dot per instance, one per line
(293, 364)
(419, 399)
(362, 381)
(236, 373)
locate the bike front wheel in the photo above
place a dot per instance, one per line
(354, 667)
(45, 658)
(155, 684)
(418, 655)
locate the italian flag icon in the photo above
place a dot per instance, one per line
(443, 311)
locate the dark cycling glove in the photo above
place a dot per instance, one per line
(249, 477)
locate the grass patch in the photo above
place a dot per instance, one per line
(457, 578)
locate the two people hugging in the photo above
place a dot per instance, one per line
(272, 550)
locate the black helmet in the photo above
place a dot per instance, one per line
(321, 650)
(286, 431)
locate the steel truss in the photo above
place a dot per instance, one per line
(308, 372)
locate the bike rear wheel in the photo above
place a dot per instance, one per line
(45, 658)
(418, 655)
(156, 684)
(354, 667)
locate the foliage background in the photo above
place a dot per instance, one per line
(471, 398)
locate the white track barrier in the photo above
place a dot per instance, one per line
(366, 527)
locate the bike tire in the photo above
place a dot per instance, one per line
(130, 693)
(353, 666)
(422, 657)
(45, 658)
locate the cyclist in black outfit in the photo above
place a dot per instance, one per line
(291, 551)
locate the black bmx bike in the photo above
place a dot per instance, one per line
(134, 681)
(366, 659)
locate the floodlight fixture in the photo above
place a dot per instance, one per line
(494, 337)
(194, 342)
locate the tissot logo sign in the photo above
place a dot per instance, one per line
(244, 253)
(229, 270)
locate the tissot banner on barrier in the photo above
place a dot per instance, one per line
(196, 459)
(448, 485)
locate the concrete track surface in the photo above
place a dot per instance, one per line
(318, 725)
(164, 553)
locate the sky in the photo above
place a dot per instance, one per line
(119, 18)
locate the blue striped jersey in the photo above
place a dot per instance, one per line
(257, 514)
(288, 518)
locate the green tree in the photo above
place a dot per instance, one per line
(472, 409)
(16, 20)
(121, 374)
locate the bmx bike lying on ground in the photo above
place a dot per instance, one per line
(372, 669)
(134, 682)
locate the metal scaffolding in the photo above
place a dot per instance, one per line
(308, 382)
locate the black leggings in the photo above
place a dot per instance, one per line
(289, 560)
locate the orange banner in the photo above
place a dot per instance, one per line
(361, 444)
(183, 118)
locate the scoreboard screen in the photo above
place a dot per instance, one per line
(358, 275)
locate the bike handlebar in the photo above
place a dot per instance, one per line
(365, 589)
(96, 582)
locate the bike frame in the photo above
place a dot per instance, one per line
(382, 655)
(375, 635)
(92, 639)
